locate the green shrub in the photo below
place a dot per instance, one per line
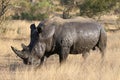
(95, 7)
(33, 11)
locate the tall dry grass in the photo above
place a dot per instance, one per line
(16, 28)
(12, 68)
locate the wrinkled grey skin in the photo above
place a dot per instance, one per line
(62, 37)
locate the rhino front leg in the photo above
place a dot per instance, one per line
(42, 60)
(63, 54)
(41, 63)
(85, 55)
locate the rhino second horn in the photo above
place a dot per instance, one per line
(24, 46)
(17, 52)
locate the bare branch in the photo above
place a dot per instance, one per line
(3, 8)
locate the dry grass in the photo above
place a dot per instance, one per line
(12, 68)
(16, 29)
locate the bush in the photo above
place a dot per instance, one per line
(33, 11)
(95, 7)
(4, 5)
(67, 2)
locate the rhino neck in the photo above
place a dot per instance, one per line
(49, 44)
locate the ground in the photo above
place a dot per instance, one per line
(12, 68)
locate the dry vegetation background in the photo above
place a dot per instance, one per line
(12, 68)
(15, 32)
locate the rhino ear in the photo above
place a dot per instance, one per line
(32, 27)
(39, 28)
(24, 46)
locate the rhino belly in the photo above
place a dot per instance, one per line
(85, 43)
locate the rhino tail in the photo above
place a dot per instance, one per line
(102, 41)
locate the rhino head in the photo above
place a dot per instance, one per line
(29, 58)
(31, 54)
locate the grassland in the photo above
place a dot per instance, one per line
(12, 68)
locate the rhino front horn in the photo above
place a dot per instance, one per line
(19, 53)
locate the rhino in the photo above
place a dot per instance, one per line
(63, 36)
